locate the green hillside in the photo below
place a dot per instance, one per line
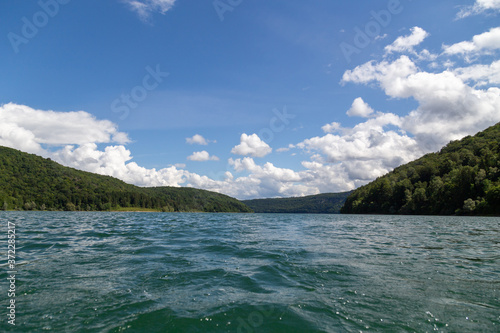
(30, 182)
(463, 178)
(328, 203)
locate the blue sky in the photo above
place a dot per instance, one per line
(248, 98)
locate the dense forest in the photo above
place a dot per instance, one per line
(328, 203)
(461, 179)
(30, 182)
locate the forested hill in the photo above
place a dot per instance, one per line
(328, 203)
(463, 178)
(30, 182)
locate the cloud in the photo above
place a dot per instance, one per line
(483, 43)
(26, 128)
(116, 161)
(273, 181)
(359, 109)
(180, 165)
(251, 145)
(448, 108)
(407, 43)
(332, 127)
(262, 181)
(481, 75)
(198, 139)
(480, 6)
(368, 150)
(145, 8)
(390, 75)
(201, 156)
(283, 149)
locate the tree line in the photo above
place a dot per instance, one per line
(326, 203)
(30, 182)
(461, 179)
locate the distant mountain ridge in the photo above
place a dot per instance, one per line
(30, 182)
(461, 179)
(327, 203)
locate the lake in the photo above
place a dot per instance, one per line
(180, 272)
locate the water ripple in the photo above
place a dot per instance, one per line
(151, 272)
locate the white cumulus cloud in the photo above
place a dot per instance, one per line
(368, 150)
(201, 156)
(26, 128)
(483, 43)
(407, 43)
(481, 75)
(332, 127)
(251, 145)
(199, 140)
(390, 75)
(448, 108)
(360, 108)
(116, 161)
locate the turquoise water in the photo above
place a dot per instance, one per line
(157, 272)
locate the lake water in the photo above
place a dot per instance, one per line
(157, 272)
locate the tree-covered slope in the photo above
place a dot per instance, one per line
(328, 203)
(463, 178)
(31, 182)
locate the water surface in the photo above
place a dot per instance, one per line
(158, 272)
